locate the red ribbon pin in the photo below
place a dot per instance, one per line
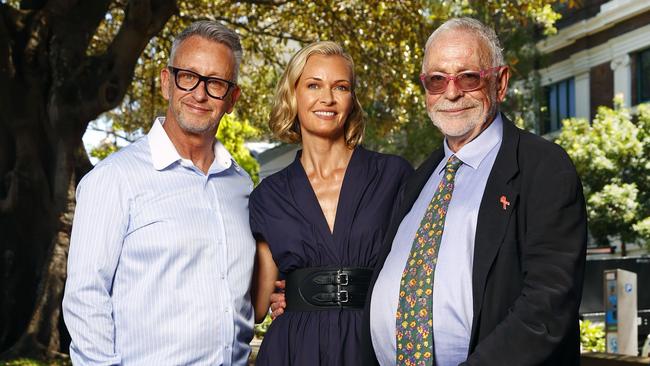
(504, 202)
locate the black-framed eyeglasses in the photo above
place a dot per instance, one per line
(466, 81)
(188, 80)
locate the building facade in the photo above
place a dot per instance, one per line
(601, 49)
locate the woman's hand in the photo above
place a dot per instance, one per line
(278, 302)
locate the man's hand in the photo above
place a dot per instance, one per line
(278, 302)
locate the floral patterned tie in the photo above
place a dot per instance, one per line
(414, 328)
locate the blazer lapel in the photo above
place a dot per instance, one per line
(498, 202)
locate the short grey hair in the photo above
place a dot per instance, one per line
(212, 31)
(479, 29)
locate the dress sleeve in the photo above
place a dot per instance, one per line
(405, 170)
(400, 170)
(256, 214)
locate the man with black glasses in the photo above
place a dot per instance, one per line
(161, 253)
(483, 260)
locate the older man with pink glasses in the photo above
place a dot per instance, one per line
(483, 260)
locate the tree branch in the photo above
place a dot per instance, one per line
(82, 164)
(13, 17)
(12, 21)
(69, 8)
(32, 4)
(73, 24)
(104, 79)
(6, 66)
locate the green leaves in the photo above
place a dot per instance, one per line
(385, 38)
(592, 336)
(261, 328)
(612, 157)
(613, 209)
(233, 133)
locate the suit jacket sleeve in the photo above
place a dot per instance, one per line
(552, 236)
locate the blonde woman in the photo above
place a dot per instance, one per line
(319, 223)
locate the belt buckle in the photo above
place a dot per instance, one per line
(341, 278)
(340, 298)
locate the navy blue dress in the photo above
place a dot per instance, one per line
(285, 212)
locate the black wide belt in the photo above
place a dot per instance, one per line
(326, 288)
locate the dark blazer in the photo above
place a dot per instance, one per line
(528, 258)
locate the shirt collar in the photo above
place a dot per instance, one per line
(473, 153)
(222, 159)
(164, 153)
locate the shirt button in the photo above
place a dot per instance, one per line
(227, 309)
(223, 275)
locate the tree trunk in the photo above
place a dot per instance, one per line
(41, 339)
(51, 90)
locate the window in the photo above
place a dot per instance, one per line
(643, 77)
(560, 104)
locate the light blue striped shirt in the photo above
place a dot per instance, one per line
(452, 288)
(161, 259)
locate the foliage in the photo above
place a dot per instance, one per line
(612, 156)
(643, 228)
(32, 362)
(261, 328)
(592, 336)
(104, 149)
(385, 38)
(613, 209)
(233, 134)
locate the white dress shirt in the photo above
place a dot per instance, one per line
(452, 288)
(160, 261)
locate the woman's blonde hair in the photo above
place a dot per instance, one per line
(284, 115)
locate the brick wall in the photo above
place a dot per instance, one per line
(601, 90)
